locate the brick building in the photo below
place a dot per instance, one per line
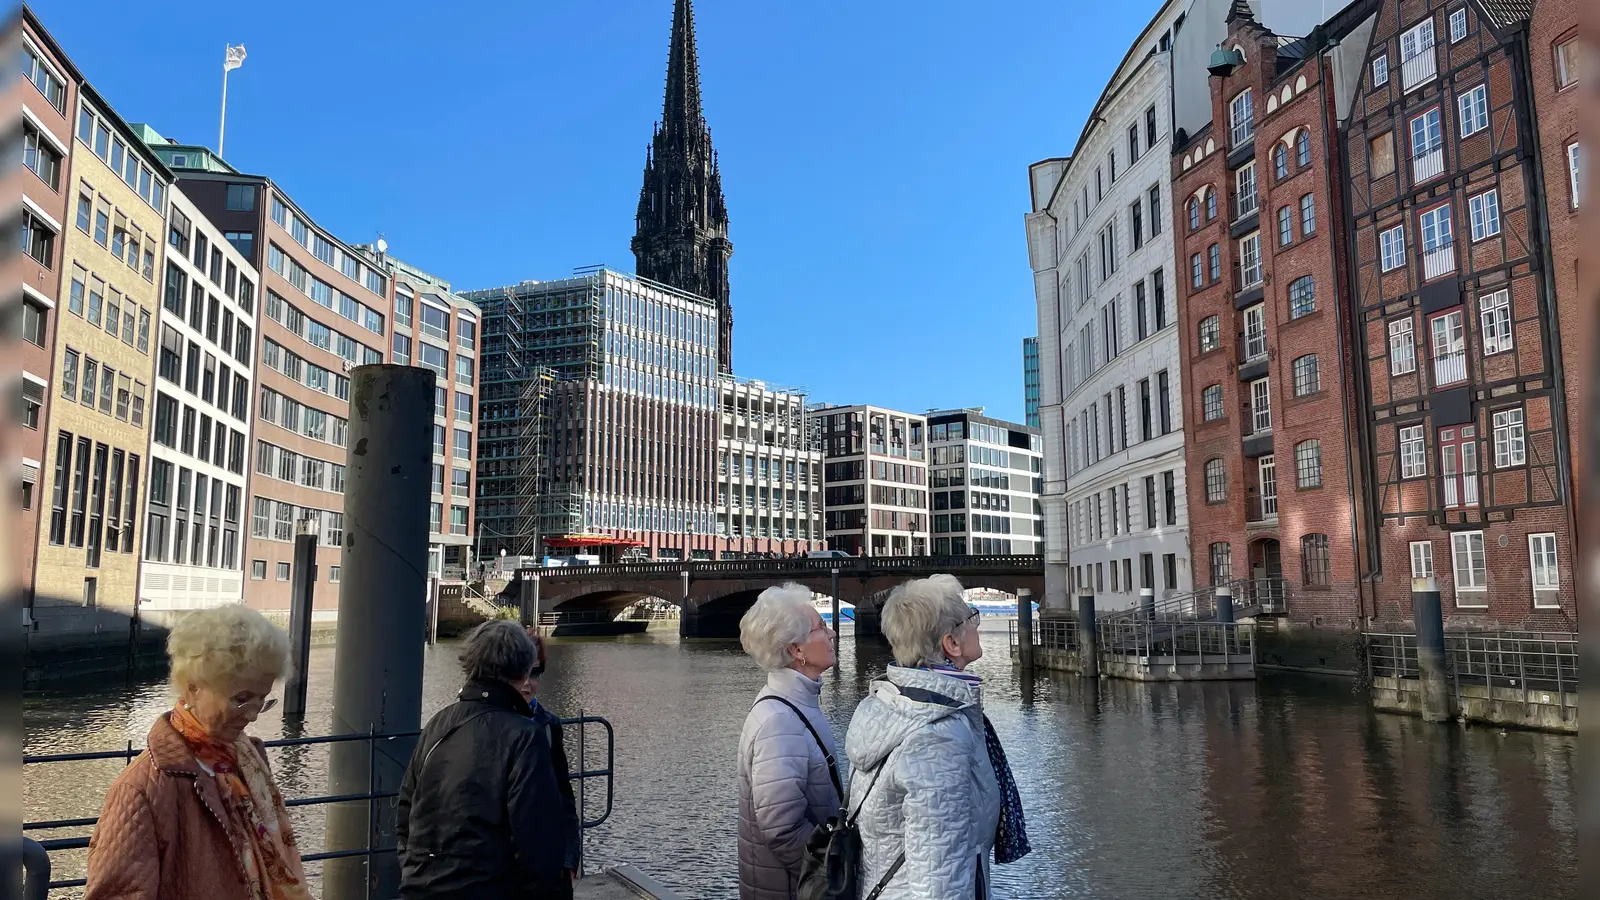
(1260, 285)
(1459, 367)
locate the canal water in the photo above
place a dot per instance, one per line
(1288, 788)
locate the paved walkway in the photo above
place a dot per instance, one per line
(622, 883)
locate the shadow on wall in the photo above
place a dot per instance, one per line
(64, 639)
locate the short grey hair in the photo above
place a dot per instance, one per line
(917, 616)
(499, 650)
(221, 647)
(777, 620)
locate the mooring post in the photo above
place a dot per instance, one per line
(833, 592)
(300, 604)
(1437, 701)
(1225, 604)
(377, 677)
(1147, 603)
(1025, 628)
(1088, 637)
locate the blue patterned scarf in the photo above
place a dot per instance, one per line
(1011, 836)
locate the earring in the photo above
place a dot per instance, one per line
(188, 706)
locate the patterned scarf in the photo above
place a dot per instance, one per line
(1011, 836)
(257, 823)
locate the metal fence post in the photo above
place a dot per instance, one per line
(1025, 653)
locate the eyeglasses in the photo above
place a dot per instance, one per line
(262, 704)
(974, 614)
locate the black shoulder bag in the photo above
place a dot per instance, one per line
(830, 869)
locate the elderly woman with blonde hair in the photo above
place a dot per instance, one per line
(197, 814)
(935, 791)
(788, 780)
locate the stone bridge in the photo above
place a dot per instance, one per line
(713, 595)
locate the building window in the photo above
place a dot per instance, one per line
(1315, 564)
(1308, 215)
(1285, 226)
(1241, 118)
(1458, 465)
(1449, 348)
(1211, 403)
(241, 197)
(1307, 380)
(1413, 452)
(1197, 271)
(1210, 334)
(41, 157)
(1392, 244)
(38, 241)
(1267, 479)
(1421, 559)
(1438, 251)
(1380, 70)
(1485, 214)
(1216, 481)
(463, 444)
(1260, 405)
(1214, 262)
(1255, 332)
(402, 349)
(1474, 105)
(333, 574)
(258, 570)
(1494, 315)
(1458, 25)
(1471, 569)
(1308, 464)
(1568, 53)
(283, 571)
(1280, 161)
(1245, 198)
(1250, 260)
(1418, 61)
(458, 520)
(1546, 575)
(1193, 208)
(1510, 440)
(1221, 563)
(464, 369)
(1302, 148)
(1155, 210)
(1302, 297)
(1402, 347)
(1575, 172)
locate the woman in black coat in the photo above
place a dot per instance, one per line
(485, 810)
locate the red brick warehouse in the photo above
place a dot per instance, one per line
(1260, 260)
(1465, 430)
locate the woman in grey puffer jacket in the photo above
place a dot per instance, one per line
(786, 784)
(925, 778)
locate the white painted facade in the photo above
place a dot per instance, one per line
(1100, 244)
(203, 394)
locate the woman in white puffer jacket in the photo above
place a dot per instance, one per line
(927, 773)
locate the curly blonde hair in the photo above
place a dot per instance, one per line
(222, 646)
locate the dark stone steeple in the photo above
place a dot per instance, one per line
(682, 236)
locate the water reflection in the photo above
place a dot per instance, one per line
(1283, 789)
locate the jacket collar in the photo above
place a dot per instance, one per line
(795, 687)
(495, 693)
(168, 750)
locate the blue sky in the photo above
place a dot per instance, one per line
(874, 154)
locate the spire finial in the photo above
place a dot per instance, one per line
(680, 111)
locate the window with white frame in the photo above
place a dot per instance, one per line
(1575, 173)
(1426, 134)
(1267, 478)
(1380, 70)
(1392, 247)
(1485, 214)
(1437, 237)
(1241, 117)
(1474, 110)
(1417, 42)
(1567, 56)
(1245, 198)
(1458, 25)
(1494, 318)
(1255, 331)
(1458, 465)
(1211, 403)
(1510, 439)
(1250, 259)
(1471, 569)
(1402, 347)
(1421, 559)
(1449, 348)
(1545, 573)
(1261, 405)
(1413, 452)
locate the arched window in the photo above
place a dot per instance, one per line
(1211, 204)
(1194, 213)
(1280, 161)
(1216, 481)
(1302, 148)
(1315, 566)
(1210, 334)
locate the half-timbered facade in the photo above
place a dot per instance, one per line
(1458, 365)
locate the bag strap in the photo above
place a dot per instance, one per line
(833, 767)
(884, 881)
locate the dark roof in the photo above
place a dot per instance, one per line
(1505, 13)
(1293, 51)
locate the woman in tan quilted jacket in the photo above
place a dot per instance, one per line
(197, 815)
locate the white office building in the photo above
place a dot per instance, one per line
(769, 473)
(984, 481)
(1100, 244)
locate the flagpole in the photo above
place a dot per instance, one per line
(223, 124)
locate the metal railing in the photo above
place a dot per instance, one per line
(1419, 69)
(1439, 261)
(1542, 666)
(1427, 165)
(853, 565)
(1191, 643)
(1257, 596)
(371, 797)
(1048, 634)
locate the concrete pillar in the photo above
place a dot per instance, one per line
(1225, 604)
(377, 681)
(1147, 603)
(1025, 628)
(300, 603)
(1438, 703)
(1088, 637)
(867, 622)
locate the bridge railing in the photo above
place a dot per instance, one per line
(853, 565)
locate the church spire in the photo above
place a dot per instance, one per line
(682, 223)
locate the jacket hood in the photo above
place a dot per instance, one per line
(905, 700)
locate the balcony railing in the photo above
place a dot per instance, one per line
(1449, 368)
(1420, 69)
(1261, 509)
(1439, 261)
(1252, 346)
(1427, 166)
(1461, 490)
